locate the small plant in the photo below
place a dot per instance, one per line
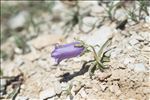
(1, 72)
(143, 6)
(75, 49)
(133, 16)
(112, 9)
(3, 55)
(21, 43)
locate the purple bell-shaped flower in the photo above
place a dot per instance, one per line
(66, 51)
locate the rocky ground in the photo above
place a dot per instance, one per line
(29, 72)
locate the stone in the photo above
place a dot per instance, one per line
(89, 3)
(3, 82)
(128, 60)
(51, 98)
(57, 87)
(102, 76)
(133, 41)
(18, 61)
(83, 93)
(99, 36)
(64, 86)
(116, 74)
(147, 19)
(16, 71)
(76, 86)
(90, 20)
(146, 49)
(138, 37)
(139, 67)
(21, 98)
(47, 93)
(45, 40)
(8, 48)
(56, 29)
(88, 23)
(116, 52)
(130, 66)
(18, 21)
(103, 87)
(115, 89)
(18, 50)
(120, 14)
(8, 68)
(3, 86)
(97, 10)
(32, 56)
(145, 35)
(146, 91)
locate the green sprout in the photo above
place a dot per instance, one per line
(143, 6)
(99, 58)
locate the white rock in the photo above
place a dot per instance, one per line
(56, 29)
(103, 87)
(146, 49)
(88, 3)
(99, 36)
(18, 61)
(137, 36)
(47, 93)
(83, 93)
(64, 86)
(145, 35)
(115, 89)
(130, 66)
(68, 98)
(3, 86)
(139, 67)
(120, 15)
(76, 87)
(59, 6)
(3, 82)
(18, 21)
(57, 87)
(116, 52)
(89, 20)
(85, 28)
(133, 41)
(21, 98)
(146, 91)
(32, 56)
(128, 60)
(51, 98)
(88, 23)
(147, 19)
(148, 8)
(97, 10)
(44, 40)
(8, 67)
(18, 51)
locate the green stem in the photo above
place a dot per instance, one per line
(97, 58)
(101, 49)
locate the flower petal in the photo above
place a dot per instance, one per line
(66, 51)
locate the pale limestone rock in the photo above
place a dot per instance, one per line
(18, 21)
(47, 93)
(45, 40)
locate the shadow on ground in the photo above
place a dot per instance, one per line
(67, 76)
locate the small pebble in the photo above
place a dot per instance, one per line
(47, 93)
(139, 67)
